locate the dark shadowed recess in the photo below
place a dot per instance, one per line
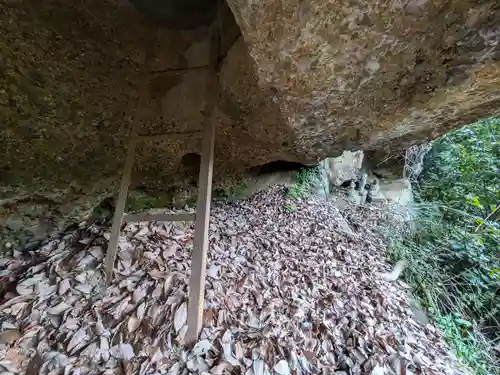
(178, 14)
(276, 166)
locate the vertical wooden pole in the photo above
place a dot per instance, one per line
(199, 260)
(143, 98)
(120, 208)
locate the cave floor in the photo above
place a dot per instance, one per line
(293, 287)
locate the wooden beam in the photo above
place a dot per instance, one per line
(184, 216)
(200, 248)
(179, 70)
(120, 209)
(168, 136)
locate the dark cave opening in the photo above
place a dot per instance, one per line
(178, 14)
(276, 166)
(189, 167)
(189, 14)
(191, 160)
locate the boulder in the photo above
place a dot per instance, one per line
(299, 81)
(396, 192)
(343, 168)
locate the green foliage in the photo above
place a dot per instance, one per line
(463, 177)
(460, 301)
(304, 180)
(454, 253)
(461, 336)
(464, 167)
(140, 203)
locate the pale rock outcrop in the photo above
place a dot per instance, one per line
(344, 167)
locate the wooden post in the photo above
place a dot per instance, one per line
(199, 259)
(143, 97)
(120, 209)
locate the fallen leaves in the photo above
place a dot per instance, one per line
(180, 317)
(122, 351)
(282, 368)
(279, 300)
(78, 340)
(9, 336)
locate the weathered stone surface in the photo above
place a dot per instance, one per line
(354, 74)
(344, 167)
(70, 74)
(305, 80)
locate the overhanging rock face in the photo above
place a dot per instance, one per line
(374, 74)
(300, 80)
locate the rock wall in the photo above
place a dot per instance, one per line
(300, 81)
(71, 74)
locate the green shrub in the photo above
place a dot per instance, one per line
(463, 169)
(304, 180)
(461, 335)
(454, 253)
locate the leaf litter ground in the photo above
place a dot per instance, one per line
(288, 292)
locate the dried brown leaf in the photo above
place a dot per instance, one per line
(213, 272)
(197, 364)
(282, 368)
(133, 323)
(28, 286)
(139, 294)
(220, 368)
(157, 356)
(258, 367)
(175, 369)
(227, 341)
(64, 286)
(58, 309)
(122, 351)
(9, 336)
(13, 360)
(142, 232)
(104, 348)
(78, 340)
(180, 316)
(83, 288)
(201, 348)
(378, 370)
(34, 365)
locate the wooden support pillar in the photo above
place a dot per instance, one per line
(199, 257)
(120, 208)
(200, 249)
(143, 98)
